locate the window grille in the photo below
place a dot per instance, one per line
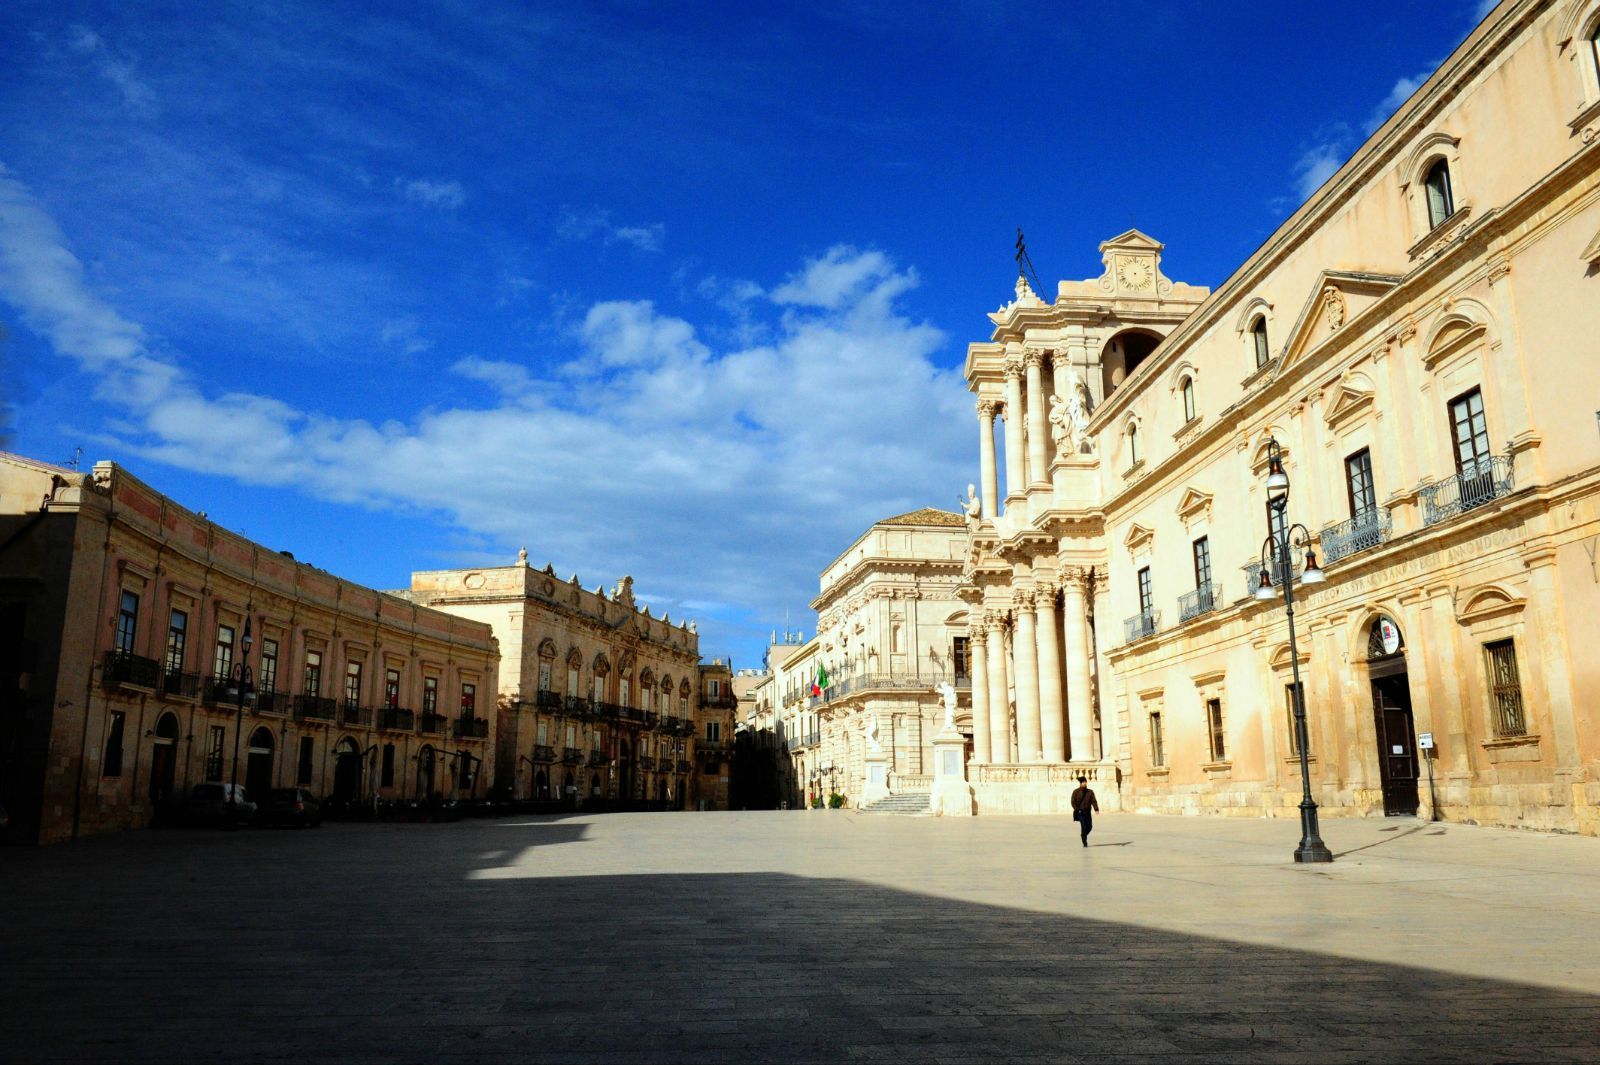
(1219, 747)
(1505, 689)
(1158, 750)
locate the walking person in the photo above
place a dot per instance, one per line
(1084, 807)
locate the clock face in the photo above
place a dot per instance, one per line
(1134, 273)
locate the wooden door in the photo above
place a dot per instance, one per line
(1397, 744)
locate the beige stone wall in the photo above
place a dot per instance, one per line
(128, 538)
(1377, 319)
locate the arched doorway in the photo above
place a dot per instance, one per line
(346, 772)
(425, 769)
(541, 785)
(594, 786)
(258, 765)
(625, 770)
(164, 760)
(1391, 715)
(569, 789)
(661, 792)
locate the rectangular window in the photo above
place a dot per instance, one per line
(391, 688)
(222, 660)
(1505, 689)
(961, 655)
(214, 753)
(303, 772)
(430, 695)
(469, 699)
(127, 622)
(269, 667)
(387, 779)
(1471, 432)
(1219, 747)
(111, 765)
(1289, 692)
(1146, 597)
(572, 682)
(1202, 562)
(313, 678)
(716, 685)
(544, 734)
(1158, 746)
(352, 684)
(1358, 484)
(177, 634)
(572, 736)
(622, 693)
(544, 676)
(714, 731)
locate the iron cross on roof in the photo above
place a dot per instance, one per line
(1025, 263)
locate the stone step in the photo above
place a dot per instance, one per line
(916, 802)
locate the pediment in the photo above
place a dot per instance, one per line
(1351, 398)
(1591, 254)
(1139, 536)
(1132, 240)
(1337, 298)
(1193, 504)
(1488, 602)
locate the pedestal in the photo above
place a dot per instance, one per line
(952, 795)
(876, 785)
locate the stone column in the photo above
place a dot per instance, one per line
(978, 647)
(1016, 464)
(990, 478)
(1052, 726)
(1038, 431)
(1080, 700)
(999, 700)
(1025, 649)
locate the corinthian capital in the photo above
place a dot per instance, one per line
(1022, 598)
(1014, 369)
(1033, 357)
(988, 408)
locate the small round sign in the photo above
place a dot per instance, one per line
(1389, 634)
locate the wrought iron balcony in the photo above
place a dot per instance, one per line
(1367, 529)
(647, 761)
(543, 753)
(351, 714)
(271, 702)
(1202, 600)
(314, 708)
(430, 723)
(471, 728)
(720, 701)
(597, 758)
(571, 756)
(131, 671)
(651, 719)
(1141, 625)
(684, 766)
(609, 711)
(181, 685)
(394, 717)
(1252, 573)
(1477, 483)
(576, 704)
(547, 700)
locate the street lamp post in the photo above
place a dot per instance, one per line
(1281, 539)
(241, 686)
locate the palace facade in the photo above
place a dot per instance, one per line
(144, 649)
(1418, 345)
(598, 699)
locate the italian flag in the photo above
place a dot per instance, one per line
(820, 685)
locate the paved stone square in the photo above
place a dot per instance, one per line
(824, 936)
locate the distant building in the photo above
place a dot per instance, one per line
(598, 699)
(718, 713)
(127, 623)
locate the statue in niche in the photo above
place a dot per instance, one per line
(947, 692)
(972, 506)
(1069, 418)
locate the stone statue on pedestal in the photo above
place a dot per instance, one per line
(871, 731)
(972, 505)
(947, 692)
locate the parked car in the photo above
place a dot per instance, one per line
(228, 805)
(292, 806)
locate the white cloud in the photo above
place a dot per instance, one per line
(119, 70)
(1398, 94)
(711, 475)
(1317, 165)
(404, 333)
(596, 223)
(1482, 9)
(444, 195)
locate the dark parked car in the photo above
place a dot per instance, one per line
(227, 805)
(292, 806)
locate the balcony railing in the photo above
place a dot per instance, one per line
(130, 670)
(721, 701)
(684, 766)
(597, 758)
(351, 714)
(543, 753)
(571, 756)
(270, 702)
(576, 704)
(181, 685)
(1141, 625)
(314, 708)
(647, 761)
(1478, 483)
(1367, 529)
(710, 746)
(471, 728)
(1252, 573)
(430, 723)
(608, 711)
(1202, 600)
(651, 719)
(547, 700)
(394, 717)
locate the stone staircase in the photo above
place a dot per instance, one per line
(910, 802)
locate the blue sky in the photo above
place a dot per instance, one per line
(680, 291)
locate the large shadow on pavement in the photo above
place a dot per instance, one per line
(386, 945)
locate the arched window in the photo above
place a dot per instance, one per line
(1441, 203)
(1258, 336)
(1594, 47)
(1134, 455)
(1186, 390)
